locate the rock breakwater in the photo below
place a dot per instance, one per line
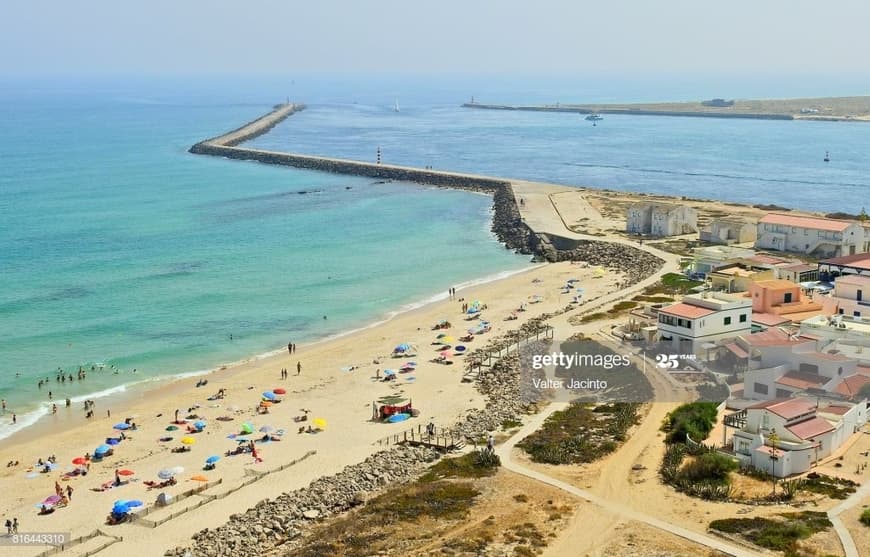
(273, 522)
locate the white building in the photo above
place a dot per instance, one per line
(788, 436)
(851, 296)
(854, 330)
(814, 236)
(728, 231)
(661, 219)
(705, 259)
(704, 318)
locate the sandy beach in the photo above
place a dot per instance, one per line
(327, 386)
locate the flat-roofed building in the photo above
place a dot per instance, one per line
(858, 264)
(782, 298)
(851, 296)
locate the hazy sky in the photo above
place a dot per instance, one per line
(106, 37)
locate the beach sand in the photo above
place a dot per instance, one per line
(343, 398)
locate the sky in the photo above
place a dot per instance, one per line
(479, 37)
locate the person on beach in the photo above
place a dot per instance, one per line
(49, 395)
(14, 418)
(289, 347)
(8, 527)
(69, 492)
(490, 443)
(15, 525)
(117, 478)
(4, 405)
(298, 368)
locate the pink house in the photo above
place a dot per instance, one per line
(780, 300)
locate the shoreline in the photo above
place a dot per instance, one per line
(826, 109)
(133, 391)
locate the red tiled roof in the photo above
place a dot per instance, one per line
(769, 319)
(850, 386)
(736, 350)
(787, 408)
(815, 223)
(838, 410)
(686, 310)
(859, 260)
(801, 380)
(771, 337)
(830, 357)
(800, 267)
(766, 259)
(808, 429)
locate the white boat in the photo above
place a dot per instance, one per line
(396, 107)
(594, 117)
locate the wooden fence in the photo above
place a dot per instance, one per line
(80, 540)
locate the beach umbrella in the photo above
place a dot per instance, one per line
(212, 459)
(247, 427)
(199, 478)
(445, 353)
(126, 472)
(171, 428)
(398, 418)
(265, 404)
(134, 503)
(319, 422)
(279, 391)
(51, 500)
(102, 449)
(448, 340)
(120, 507)
(188, 440)
(389, 372)
(459, 348)
(121, 426)
(199, 424)
(269, 395)
(266, 429)
(166, 473)
(112, 441)
(80, 460)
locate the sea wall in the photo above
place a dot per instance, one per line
(507, 223)
(631, 111)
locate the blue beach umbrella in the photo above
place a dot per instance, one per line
(269, 395)
(134, 503)
(112, 441)
(212, 459)
(120, 507)
(121, 427)
(199, 424)
(102, 449)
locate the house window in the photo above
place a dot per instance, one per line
(727, 320)
(765, 420)
(761, 389)
(856, 314)
(743, 318)
(787, 298)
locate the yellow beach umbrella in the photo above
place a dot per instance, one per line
(265, 404)
(319, 423)
(447, 340)
(188, 440)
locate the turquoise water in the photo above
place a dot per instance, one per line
(118, 247)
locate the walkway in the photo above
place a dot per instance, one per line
(504, 451)
(834, 516)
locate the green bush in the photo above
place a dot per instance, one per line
(695, 419)
(865, 517)
(709, 467)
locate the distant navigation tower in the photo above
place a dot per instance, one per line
(379, 154)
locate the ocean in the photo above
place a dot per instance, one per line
(119, 249)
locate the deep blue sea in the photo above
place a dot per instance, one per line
(119, 248)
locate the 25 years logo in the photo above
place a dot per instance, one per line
(667, 361)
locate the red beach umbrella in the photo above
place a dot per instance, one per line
(80, 460)
(125, 472)
(279, 391)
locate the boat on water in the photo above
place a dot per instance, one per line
(594, 117)
(827, 157)
(396, 107)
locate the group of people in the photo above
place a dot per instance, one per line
(285, 374)
(12, 526)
